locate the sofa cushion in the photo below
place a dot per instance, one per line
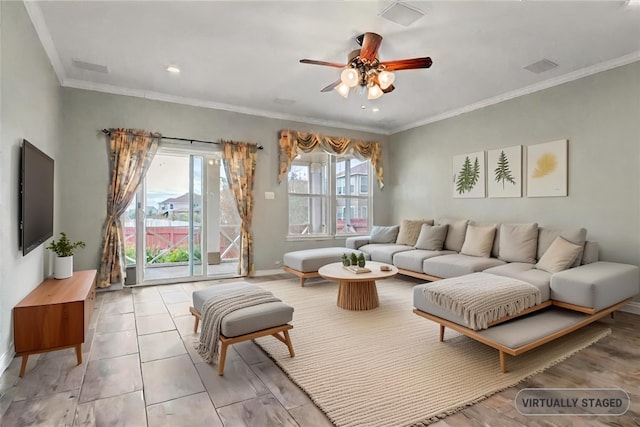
(380, 234)
(432, 237)
(518, 242)
(454, 265)
(478, 240)
(412, 260)
(410, 230)
(597, 285)
(547, 236)
(560, 255)
(527, 273)
(456, 230)
(383, 252)
(590, 253)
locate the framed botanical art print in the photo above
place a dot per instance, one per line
(504, 172)
(469, 175)
(547, 169)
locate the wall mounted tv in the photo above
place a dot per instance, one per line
(36, 197)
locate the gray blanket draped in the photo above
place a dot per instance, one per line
(482, 298)
(215, 308)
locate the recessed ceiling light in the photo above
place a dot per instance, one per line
(363, 107)
(173, 69)
(375, 109)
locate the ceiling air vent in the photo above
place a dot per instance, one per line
(90, 67)
(541, 66)
(401, 14)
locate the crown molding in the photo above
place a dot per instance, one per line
(35, 14)
(565, 78)
(194, 102)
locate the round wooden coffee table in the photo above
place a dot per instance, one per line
(357, 291)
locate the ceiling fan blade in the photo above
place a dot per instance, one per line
(370, 45)
(328, 64)
(388, 89)
(332, 86)
(407, 64)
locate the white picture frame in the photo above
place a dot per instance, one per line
(468, 175)
(504, 172)
(547, 169)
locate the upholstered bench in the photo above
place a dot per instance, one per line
(247, 323)
(305, 263)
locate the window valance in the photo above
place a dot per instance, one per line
(291, 142)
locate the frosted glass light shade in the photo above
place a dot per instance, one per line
(350, 77)
(374, 92)
(386, 79)
(343, 89)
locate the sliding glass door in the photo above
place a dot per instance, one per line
(182, 228)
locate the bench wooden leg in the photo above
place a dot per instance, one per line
(197, 315)
(503, 361)
(223, 356)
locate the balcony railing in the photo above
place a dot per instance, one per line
(170, 243)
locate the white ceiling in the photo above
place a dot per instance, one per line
(243, 56)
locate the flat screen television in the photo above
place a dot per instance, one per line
(36, 197)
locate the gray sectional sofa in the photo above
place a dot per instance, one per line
(480, 271)
(561, 263)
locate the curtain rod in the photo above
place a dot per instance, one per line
(173, 138)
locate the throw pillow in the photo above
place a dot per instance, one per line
(410, 230)
(432, 237)
(560, 255)
(455, 233)
(546, 236)
(518, 242)
(387, 234)
(478, 240)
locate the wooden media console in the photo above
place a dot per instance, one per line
(54, 316)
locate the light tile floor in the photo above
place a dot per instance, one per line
(140, 369)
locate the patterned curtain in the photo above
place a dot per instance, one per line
(239, 160)
(131, 152)
(292, 142)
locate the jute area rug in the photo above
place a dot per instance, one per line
(386, 367)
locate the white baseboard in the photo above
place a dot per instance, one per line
(259, 273)
(632, 307)
(7, 358)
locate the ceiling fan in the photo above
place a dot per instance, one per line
(364, 68)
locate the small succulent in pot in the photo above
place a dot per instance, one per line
(361, 260)
(345, 260)
(354, 258)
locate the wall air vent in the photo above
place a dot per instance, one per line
(401, 14)
(541, 66)
(83, 65)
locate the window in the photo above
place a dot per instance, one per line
(317, 185)
(340, 185)
(308, 198)
(364, 184)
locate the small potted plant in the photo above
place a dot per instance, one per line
(64, 250)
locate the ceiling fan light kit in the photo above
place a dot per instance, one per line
(364, 69)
